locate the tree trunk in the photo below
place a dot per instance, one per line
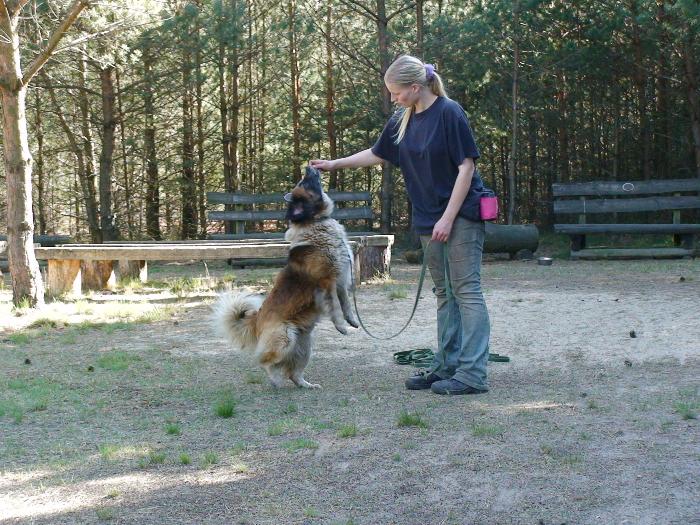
(330, 98)
(24, 268)
(201, 182)
(152, 183)
(420, 24)
(514, 106)
(109, 230)
(187, 183)
(40, 175)
(295, 90)
(387, 171)
(692, 87)
(125, 165)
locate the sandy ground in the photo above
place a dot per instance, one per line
(585, 425)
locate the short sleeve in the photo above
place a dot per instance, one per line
(460, 140)
(386, 147)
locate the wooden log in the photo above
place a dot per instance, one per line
(46, 240)
(98, 275)
(133, 270)
(64, 277)
(511, 238)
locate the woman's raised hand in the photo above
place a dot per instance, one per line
(323, 165)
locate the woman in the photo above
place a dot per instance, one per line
(429, 138)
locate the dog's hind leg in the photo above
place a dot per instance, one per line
(273, 351)
(299, 360)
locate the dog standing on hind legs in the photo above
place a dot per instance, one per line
(317, 280)
(278, 329)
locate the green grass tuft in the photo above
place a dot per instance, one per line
(172, 429)
(116, 360)
(226, 406)
(411, 420)
(347, 431)
(209, 459)
(185, 459)
(486, 430)
(300, 443)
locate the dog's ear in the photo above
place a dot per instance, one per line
(301, 252)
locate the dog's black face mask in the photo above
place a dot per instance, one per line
(306, 199)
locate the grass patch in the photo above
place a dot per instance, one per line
(310, 512)
(172, 429)
(226, 406)
(278, 428)
(184, 459)
(209, 459)
(44, 322)
(104, 513)
(407, 419)
(347, 431)
(687, 410)
(19, 338)
(117, 360)
(486, 430)
(253, 379)
(299, 444)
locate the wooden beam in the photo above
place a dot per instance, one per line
(636, 187)
(631, 253)
(218, 197)
(626, 205)
(361, 212)
(626, 228)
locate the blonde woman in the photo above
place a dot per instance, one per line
(429, 138)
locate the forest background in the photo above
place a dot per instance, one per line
(148, 105)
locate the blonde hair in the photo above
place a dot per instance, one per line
(407, 70)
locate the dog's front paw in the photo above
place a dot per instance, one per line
(343, 329)
(303, 383)
(353, 323)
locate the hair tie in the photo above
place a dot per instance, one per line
(429, 72)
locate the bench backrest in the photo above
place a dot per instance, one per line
(246, 203)
(628, 196)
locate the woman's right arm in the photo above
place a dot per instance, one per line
(358, 160)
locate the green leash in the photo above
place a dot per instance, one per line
(423, 357)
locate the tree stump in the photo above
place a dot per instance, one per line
(133, 270)
(98, 275)
(373, 261)
(64, 277)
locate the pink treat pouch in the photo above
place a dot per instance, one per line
(488, 206)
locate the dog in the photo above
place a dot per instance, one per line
(309, 212)
(278, 329)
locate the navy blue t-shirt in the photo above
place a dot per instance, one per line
(436, 142)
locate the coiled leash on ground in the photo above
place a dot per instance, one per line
(418, 357)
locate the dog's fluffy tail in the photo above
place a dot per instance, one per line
(235, 314)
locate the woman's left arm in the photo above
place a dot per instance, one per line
(443, 227)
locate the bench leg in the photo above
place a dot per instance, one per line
(63, 277)
(133, 270)
(98, 275)
(578, 242)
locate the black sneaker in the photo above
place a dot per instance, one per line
(421, 380)
(452, 387)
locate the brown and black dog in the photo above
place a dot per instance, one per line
(277, 330)
(316, 281)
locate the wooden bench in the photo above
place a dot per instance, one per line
(375, 248)
(665, 198)
(78, 267)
